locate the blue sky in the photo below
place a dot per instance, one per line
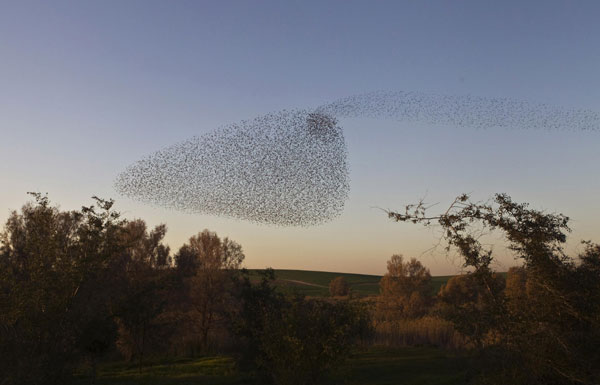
(86, 88)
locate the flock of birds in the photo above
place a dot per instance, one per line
(285, 168)
(290, 168)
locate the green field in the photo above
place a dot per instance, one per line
(316, 283)
(377, 366)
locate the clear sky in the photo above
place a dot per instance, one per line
(88, 87)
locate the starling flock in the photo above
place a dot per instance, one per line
(286, 168)
(290, 168)
(463, 111)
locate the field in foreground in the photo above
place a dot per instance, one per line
(316, 283)
(377, 366)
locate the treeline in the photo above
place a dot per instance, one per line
(77, 287)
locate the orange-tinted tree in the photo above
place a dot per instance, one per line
(405, 290)
(207, 263)
(338, 287)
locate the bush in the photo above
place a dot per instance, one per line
(465, 302)
(338, 287)
(292, 340)
(405, 290)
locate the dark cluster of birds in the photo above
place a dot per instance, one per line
(290, 168)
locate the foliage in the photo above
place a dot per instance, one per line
(293, 340)
(405, 290)
(466, 303)
(74, 285)
(338, 287)
(516, 289)
(54, 299)
(552, 338)
(206, 264)
(144, 291)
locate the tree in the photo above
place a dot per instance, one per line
(208, 263)
(555, 335)
(293, 340)
(56, 282)
(144, 291)
(405, 290)
(516, 289)
(465, 302)
(338, 287)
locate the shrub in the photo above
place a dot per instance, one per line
(338, 287)
(293, 340)
(405, 290)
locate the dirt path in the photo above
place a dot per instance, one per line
(302, 282)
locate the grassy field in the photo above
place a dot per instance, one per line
(406, 366)
(409, 366)
(316, 283)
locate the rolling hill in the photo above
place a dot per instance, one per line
(316, 283)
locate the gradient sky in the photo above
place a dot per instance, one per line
(86, 88)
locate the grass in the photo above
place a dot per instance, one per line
(407, 366)
(377, 366)
(316, 283)
(206, 370)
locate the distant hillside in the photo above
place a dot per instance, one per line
(316, 283)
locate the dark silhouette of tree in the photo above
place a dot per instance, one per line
(56, 274)
(516, 289)
(293, 340)
(554, 338)
(144, 291)
(465, 302)
(207, 262)
(75, 285)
